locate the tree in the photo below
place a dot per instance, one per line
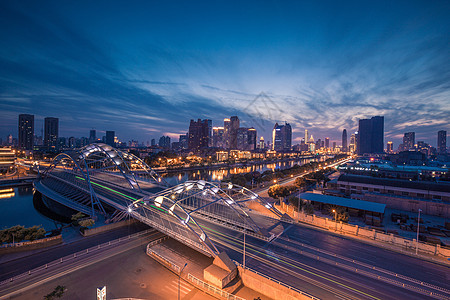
(299, 182)
(86, 222)
(274, 191)
(308, 209)
(296, 202)
(58, 292)
(76, 217)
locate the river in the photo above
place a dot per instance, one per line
(17, 206)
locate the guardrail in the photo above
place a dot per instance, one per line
(212, 289)
(168, 262)
(74, 256)
(277, 281)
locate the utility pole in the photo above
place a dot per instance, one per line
(243, 261)
(335, 219)
(417, 238)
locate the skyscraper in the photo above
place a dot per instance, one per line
(262, 145)
(234, 125)
(210, 140)
(226, 133)
(344, 140)
(26, 131)
(371, 135)
(92, 136)
(51, 128)
(442, 142)
(183, 140)
(327, 143)
(246, 138)
(164, 142)
(109, 140)
(282, 137)
(306, 136)
(218, 137)
(198, 134)
(352, 145)
(409, 139)
(390, 147)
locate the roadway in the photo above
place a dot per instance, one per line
(306, 258)
(124, 268)
(13, 267)
(323, 264)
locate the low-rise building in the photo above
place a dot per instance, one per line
(432, 198)
(7, 159)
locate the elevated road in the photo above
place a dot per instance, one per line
(317, 262)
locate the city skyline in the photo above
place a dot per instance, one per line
(320, 67)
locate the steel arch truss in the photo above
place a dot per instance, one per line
(66, 173)
(122, 167)
(186, 202)
(171, 218)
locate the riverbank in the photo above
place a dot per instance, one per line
(234, 165)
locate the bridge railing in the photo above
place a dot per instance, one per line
(212, 289)
(74, 256)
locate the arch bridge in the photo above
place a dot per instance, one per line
(104, 182)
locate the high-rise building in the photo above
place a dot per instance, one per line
(183, 140)
(371, 135)
(218, 137)
(262, 145)
(164, 142)
(234, 125)
(327, 143)
(282, 137)
(26, 131)
(109, 139)
(344, 140)
(442, 142)
(198, 134)
(210, 127)
(92, 136)
(51, 132)
(306, 136)
(153, 142)
(409, 139)
(246, 138)
(390, 147)
(226, 132)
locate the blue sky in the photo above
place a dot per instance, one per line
(146, 68)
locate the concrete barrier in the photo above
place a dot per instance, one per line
(108, 227)
(31, 245)
(270, 287)
(371, 234)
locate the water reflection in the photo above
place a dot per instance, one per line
(18, 209)
(220, 174)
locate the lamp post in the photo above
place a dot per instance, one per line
(179, 278)
(243, 260)
(417, 238)
(335, 220)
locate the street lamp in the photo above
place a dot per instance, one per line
(335, 219)
(243, 260)
(417, 240)
(179, 278)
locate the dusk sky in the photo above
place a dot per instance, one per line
(144, 69)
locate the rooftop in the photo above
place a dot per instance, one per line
(417, 185)
(345, 202)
